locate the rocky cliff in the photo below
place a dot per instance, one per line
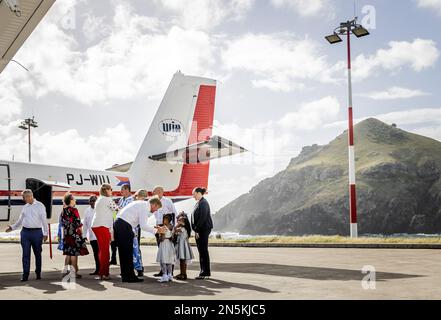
(398, 185)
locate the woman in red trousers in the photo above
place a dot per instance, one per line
(102, 227)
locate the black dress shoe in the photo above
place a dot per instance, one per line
(24, 279)
(159, 274)
(140, 274)
(113, 263)
(93, 273)
(38, 276)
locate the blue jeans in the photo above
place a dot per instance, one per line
(31, 239)
(137, 258)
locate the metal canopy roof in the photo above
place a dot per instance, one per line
(15, 27)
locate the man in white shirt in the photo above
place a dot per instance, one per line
(88, 232)
(134, 214)
(168, 207)
(34, 232)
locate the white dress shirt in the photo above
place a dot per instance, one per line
(32, 216)
(104, 210)
(137, 213)
(167, 208)
(87, 223)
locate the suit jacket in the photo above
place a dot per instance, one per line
(201, 220)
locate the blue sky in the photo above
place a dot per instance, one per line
(95, 64)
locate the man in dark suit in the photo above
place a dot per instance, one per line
(202, 225)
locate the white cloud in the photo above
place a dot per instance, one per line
(279, 61)
(206, 14)
(95, 27)
(306, 8)
(433, 132)
(136, 58)
(423, 121)
(312, 115)
(423, 117)
(434, 5)
(272, 139)
(413, 116)
(10, 102)
(394, 93)
(70, 148)
(419, 55)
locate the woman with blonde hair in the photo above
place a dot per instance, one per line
(102, 227)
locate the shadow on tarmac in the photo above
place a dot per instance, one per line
(52, 280)
(301, 272)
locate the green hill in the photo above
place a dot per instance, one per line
(398, 185)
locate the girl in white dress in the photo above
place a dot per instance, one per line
(166, 253)
(184, 254)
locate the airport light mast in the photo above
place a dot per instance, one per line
(346, 29)
(27, 124)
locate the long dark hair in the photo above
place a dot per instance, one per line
(187, 225)
(169, 217)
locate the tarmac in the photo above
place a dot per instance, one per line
(245, 274)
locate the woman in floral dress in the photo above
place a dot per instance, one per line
(74, 244)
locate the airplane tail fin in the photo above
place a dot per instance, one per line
(185, 117)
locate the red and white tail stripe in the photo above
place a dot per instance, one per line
(196, 175)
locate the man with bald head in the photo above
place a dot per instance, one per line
(167, 208)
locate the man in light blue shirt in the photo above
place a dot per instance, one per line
(126, 196)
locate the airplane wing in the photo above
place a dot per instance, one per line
(18, 19)
(49, 183)
(56, 184)
(214, 148)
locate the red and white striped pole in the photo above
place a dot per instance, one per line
(352, 187)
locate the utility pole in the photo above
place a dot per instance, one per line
(27, 124)
(347, 28)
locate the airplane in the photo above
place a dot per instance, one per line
(175, 154)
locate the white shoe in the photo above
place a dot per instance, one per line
(65, 271)
(164, 278)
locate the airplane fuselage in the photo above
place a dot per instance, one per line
(82, 183)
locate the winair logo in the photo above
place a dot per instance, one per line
(171, 127)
